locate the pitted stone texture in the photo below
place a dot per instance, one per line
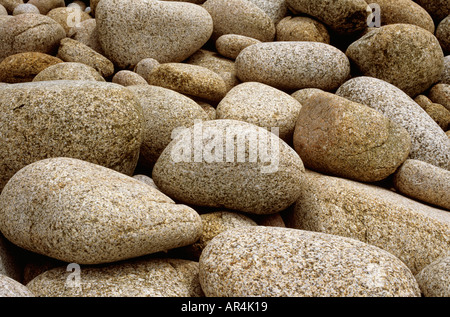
(230, 45)
(29, 32)
(434, 279)
(25, 8)
(293, 65)
(145, 179)
(145, 67)
(343, 16)
(10, 4)
(133, 278)
(69, 71)
(68, 17)
(23, 67)
(404, 55)
(440, 94)
(74, 51)
(438, 9)
(230, 164)
(12, 288)
(445, 76)
(86, 32)
(273, 220)
(275, 9)
(164, 110)
(424, 182)
(89, 120)
(84, 213)
(301, 28)
(45, 6)
(190, 80)
(128, 78)
(240, 17)
(438, 112)
(428, 141)
(277, 262)
(131, 30)
(261, 105)
(336, 136)
(414, 232)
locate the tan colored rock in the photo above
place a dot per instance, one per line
(210, 110)
(3, 11)
(302, 28)
(230, 45)
(23, 67)
(25, 8)
(11, 263)
(74, 51)
(273, 220)
(445, 76)
(109, 216)
(275, 9)
(68, 71)
(10, 5)
(438, 112)
(440, 93)
(128, 78)
(145, 67)
(424, 182)
(68, 17)
(146, 179)
(284, 262)
(434, 279)
(12, 288)
(443, 34)
(438, 9)
(45, 6)
(404, 55)
(86, 32)
(94, 121)
(414, 232)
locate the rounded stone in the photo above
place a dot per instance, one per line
(293, 65)
(424, 182)
(445, 76)
(86, 32)
(29, 32)
(404, 55)
(23, 67)
(45, 6)
(434, 279)
(83, 213)
(68, 71)
(277, 262)
(438, 112)
(428, 141)
(440, 93)
(438, 9)
(93, 121)
(230, 45)
(275, 9)
(145, 179)
(12, 288)
(68, 17)
(25, 8)
(131, 30)
(3, 10)
(133, 278)
(240, 17)
(261, 105)
(11, 4)
(75, 51)
(343, 16)
(302, 28)
(145, 67)
(336, 136)
(164, 110)
(128, 78)
(229, 164)
(189, 79)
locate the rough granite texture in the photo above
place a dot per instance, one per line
(217, 164)
(80, 212)
(240, 17)
(434, 279)
(438, 9)
(128, 78)
(146, 179)
(86, 32)
(164, 30)
(89, 120)
(261, 105)
(275, 9)
(3, 11)
(145, 66)
(440, 93)
(67, 17)
(10, 4)
(424, 182)
(12, 288)
(45, 6)
(285, 262)
(69, 71)
(133, 278)
(414, 232)
(334, 135)
(293, 65)
(230, 45)
(429, 142)
(405, 55)
(445, 76)
(438, 112)
(302, 28)
(25, 8)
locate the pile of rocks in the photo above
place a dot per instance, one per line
(225, 148)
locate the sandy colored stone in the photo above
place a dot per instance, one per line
(86, 32)
(336, 136)
(133, 278)
(3, 10)
(240, 17)
(285, 262)
(68, 17)
(230, 45)
(440, 93)
(131, 30)
(145, 67)
(163, 110)
(23, 67)
(45, 6)
(10, 260)
(189, 79)
(69, 71)
(211, 164)
(12, 288)
(404, 55)
(74, 51)
(261, 105)
(343, 16)
(36, 264)
(90, 120)
(438, 9)
(404, 11)
(438, 112)
(146, 179)
(293, 65)
(434, 279)
(428, 141)
(91, 214)
(424, 182)
(25, 8)
(414, 232)
(445, 76)
(275, 9)
(29, 32)
(210, 110)
(273, 220)
(10, 5)
(302, 28)
(128, 78)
